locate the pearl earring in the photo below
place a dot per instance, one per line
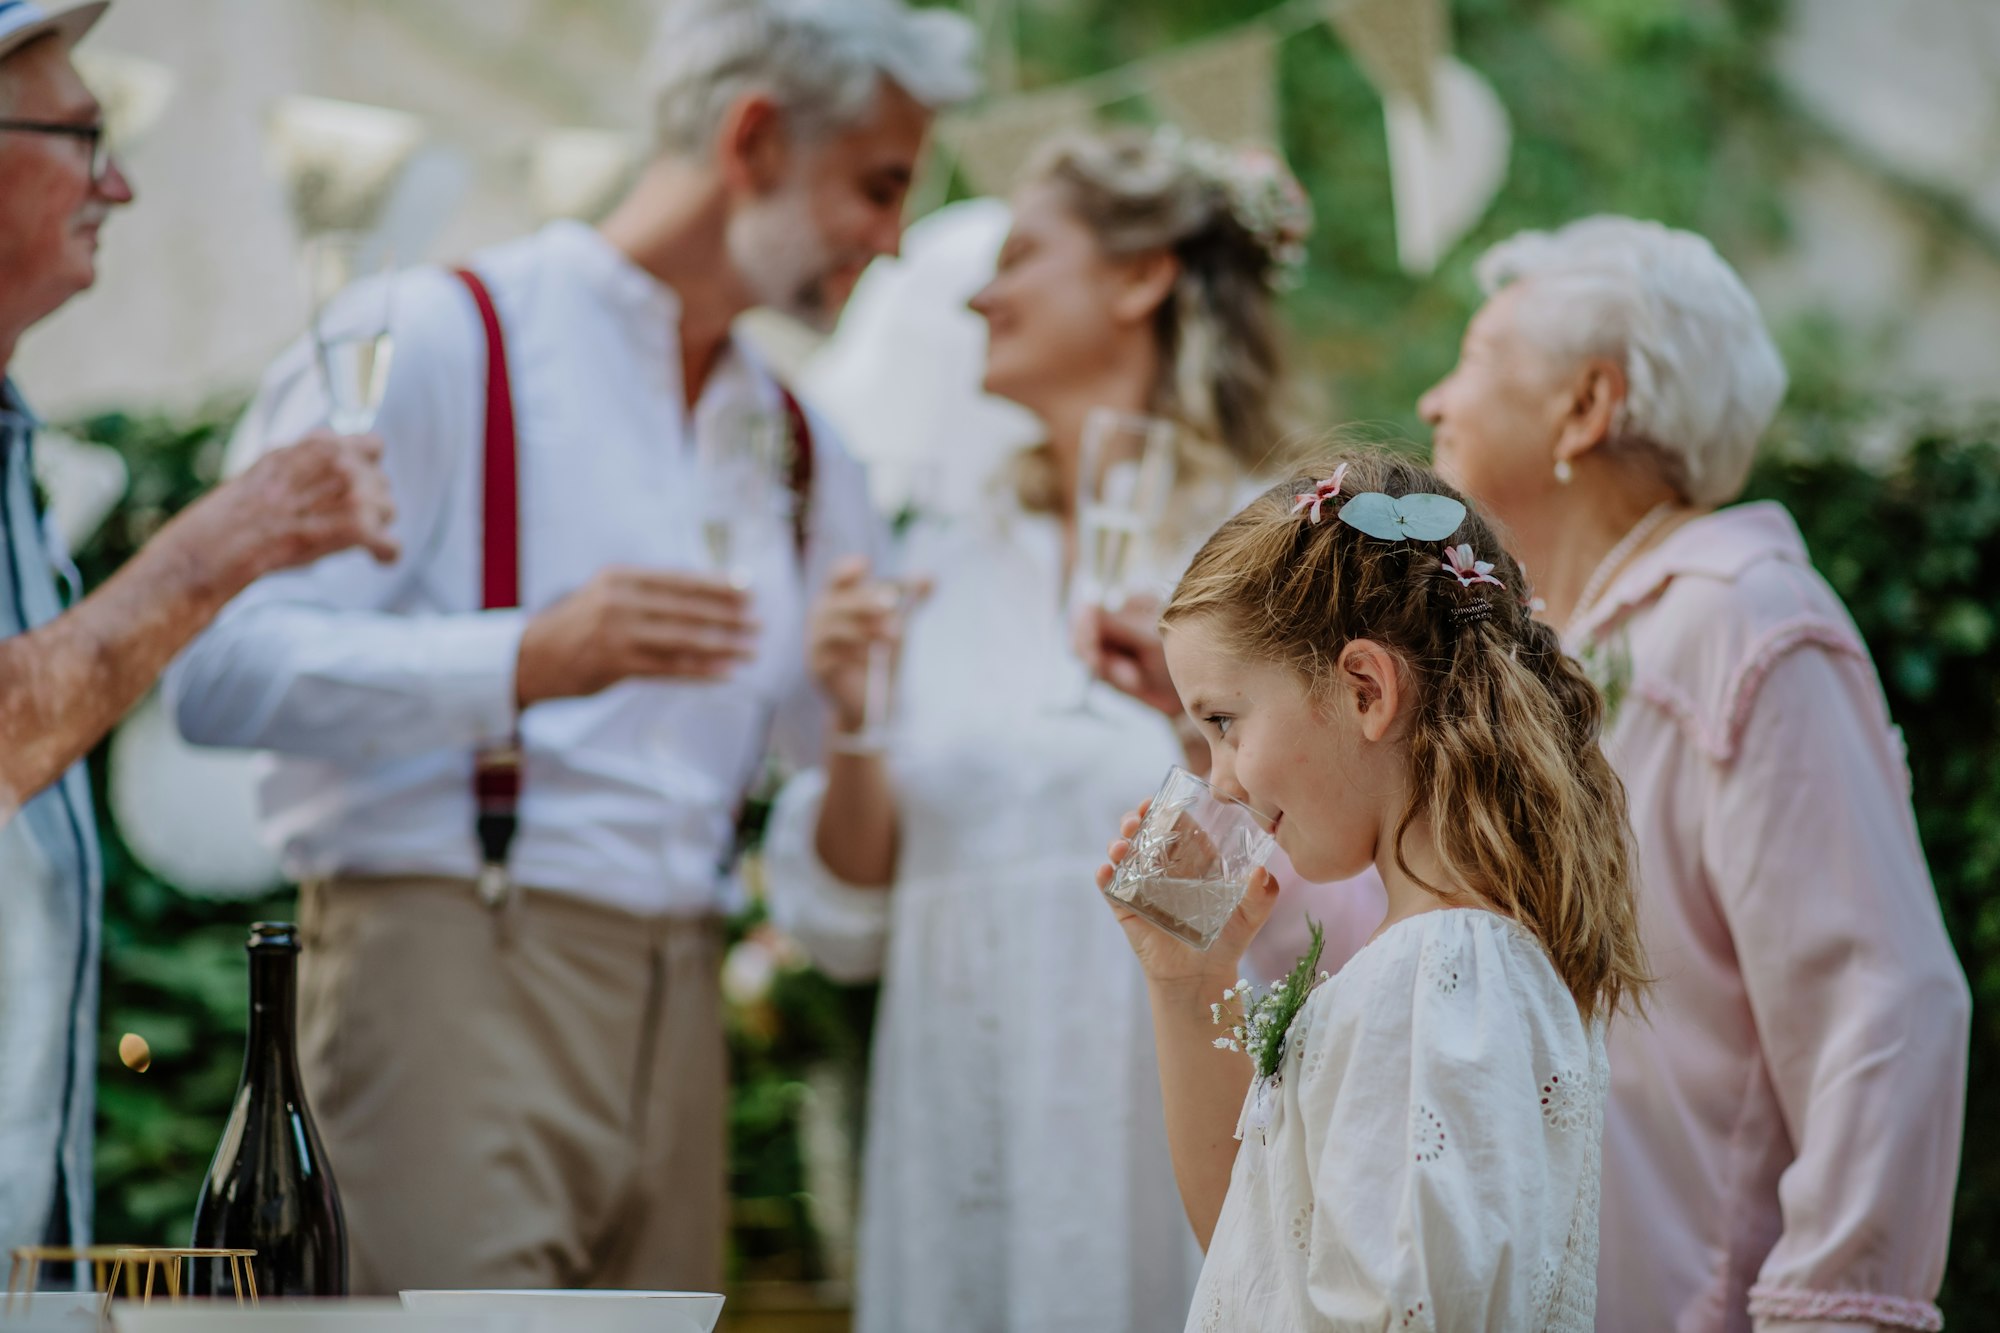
(1564, 472)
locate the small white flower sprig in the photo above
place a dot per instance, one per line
(1263, 1021)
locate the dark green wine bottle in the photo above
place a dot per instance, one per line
(269, 1188)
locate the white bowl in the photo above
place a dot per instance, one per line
(584, 1311)
(50, 1312)
(306, 1317)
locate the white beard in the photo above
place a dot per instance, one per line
(776, 247)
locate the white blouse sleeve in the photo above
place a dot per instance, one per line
(1454, 1177)
(843, 927)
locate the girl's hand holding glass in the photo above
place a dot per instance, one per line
(1170, 959)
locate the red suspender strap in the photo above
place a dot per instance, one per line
(497, 771)
(501, 580)
(801, 479)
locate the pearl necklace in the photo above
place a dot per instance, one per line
(1614, 560)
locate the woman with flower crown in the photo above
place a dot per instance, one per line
(1017, 1177)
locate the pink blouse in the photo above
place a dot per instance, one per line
(1783, 1136)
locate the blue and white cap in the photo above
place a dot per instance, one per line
(22, 21)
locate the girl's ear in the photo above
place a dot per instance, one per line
(1375, 684)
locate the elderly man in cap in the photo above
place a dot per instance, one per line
(67, 676)
(509, 767)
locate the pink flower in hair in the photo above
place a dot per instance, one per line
(1320, 494)
(1468, 569)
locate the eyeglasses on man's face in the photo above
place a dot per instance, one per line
(91, 134)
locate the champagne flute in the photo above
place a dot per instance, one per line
(899, 589)
(739, 462)
(353, 343)
(898, 598)
(1125, 477)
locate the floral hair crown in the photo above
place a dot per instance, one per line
(1265, 199)
(1418, 516)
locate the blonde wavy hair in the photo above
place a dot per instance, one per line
(1505, 762)
(1222, 373)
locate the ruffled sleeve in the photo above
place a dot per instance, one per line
(1454, 1177)
(843, 927)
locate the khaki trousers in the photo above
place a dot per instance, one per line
(524, 1096)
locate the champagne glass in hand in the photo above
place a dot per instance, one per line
(740, 460)
(347, 277)
(898, 588)
(1125, 477)
(898, 596)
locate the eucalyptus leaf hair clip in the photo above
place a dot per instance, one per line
(1418, 516)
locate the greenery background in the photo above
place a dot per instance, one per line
(1650, 107)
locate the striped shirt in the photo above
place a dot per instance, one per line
(51, 903)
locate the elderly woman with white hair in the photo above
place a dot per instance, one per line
(1783, 1132)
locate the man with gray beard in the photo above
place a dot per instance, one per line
(507, 767)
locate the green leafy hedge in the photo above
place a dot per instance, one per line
(174, 967)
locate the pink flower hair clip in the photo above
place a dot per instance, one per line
(1467, 568)
(1321, 494)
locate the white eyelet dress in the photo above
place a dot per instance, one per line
(1429, 1156)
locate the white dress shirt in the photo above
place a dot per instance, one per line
(374, 684)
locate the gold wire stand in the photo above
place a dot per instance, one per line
(25, 1272)
(128, 1261)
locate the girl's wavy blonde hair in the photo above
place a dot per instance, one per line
(1506, 767)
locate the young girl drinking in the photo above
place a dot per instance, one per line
(1422, 1153)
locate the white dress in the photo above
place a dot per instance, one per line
(1431, 1149)
(1016, 1177)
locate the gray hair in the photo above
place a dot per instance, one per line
(824, 61)
(1703, 378)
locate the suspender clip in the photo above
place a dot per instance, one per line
(495, 886)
